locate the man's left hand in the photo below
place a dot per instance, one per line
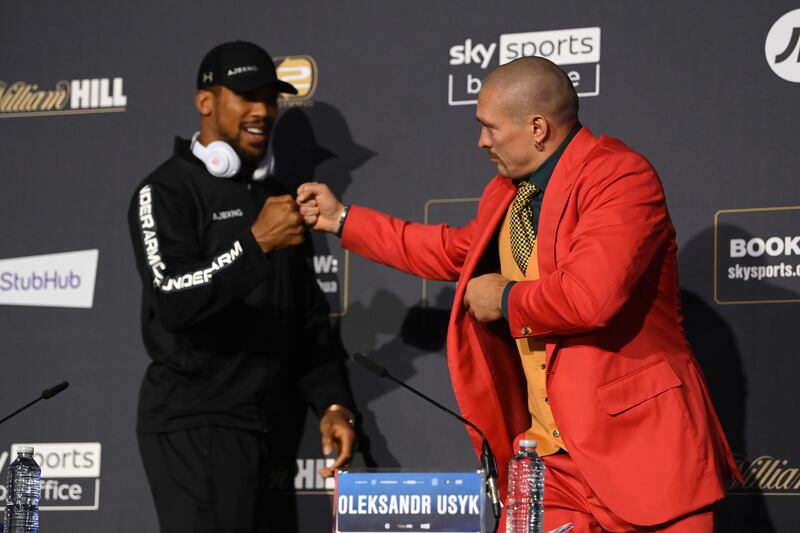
(484, 295)
(337, 434)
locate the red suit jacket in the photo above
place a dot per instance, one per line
(628, 397)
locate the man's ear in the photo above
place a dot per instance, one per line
(204, 100)
(540, 128)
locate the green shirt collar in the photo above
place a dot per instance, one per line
(541, 177)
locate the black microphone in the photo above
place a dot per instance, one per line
(488, 460)
(46, 395)
(52, 391)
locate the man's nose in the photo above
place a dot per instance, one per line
(483, 139)
(263, 109)
(259, 109)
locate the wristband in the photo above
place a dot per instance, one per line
(342, 217)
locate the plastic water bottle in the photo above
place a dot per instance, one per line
(525, 509)
(22, 502)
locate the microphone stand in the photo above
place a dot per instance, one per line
(46, 395)
(488, 461)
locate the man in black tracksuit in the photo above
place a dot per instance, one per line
(232, 317)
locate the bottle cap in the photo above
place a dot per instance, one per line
(27, 450)
(527, 443)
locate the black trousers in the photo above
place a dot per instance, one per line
(220, 480)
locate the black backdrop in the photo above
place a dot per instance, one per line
(698, 87)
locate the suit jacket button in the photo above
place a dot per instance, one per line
(525, 331)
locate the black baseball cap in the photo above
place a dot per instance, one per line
(240, 66)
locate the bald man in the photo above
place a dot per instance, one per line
(566, 324)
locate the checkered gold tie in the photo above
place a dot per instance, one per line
(521, 227)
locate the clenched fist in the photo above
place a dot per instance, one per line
(279, 224)
(484, 295)
(319, 207)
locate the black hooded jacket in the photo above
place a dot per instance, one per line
(233, 333)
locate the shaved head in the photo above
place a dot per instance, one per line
(534, 85)
(526, 108)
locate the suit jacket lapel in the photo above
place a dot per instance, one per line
(556, 194)
(466, 356)
(497, 207)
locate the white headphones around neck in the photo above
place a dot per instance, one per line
(222, 161)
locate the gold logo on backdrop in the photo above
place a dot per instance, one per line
(300, 71)
(767, 475)
(22, 97)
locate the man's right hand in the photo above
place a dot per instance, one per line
(279, 224)
(320, 208)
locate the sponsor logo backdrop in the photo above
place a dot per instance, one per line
(385, 114)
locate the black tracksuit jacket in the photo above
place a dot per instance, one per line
(236, 336)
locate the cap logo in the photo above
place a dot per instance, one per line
(241, 70)
(208, 77)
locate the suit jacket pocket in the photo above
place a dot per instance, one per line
(637, 387)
